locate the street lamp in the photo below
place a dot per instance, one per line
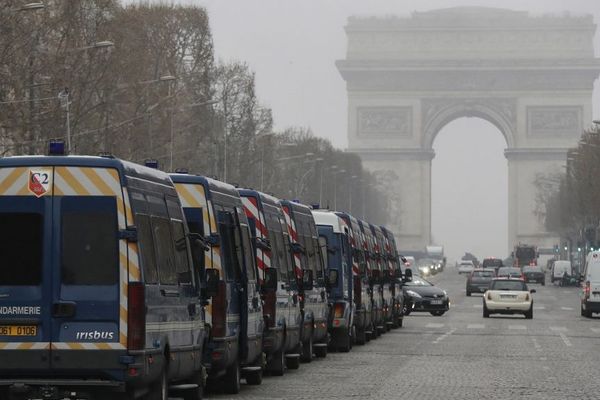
(320, 160)
(335, 174)
(170, 78)
(353, 177)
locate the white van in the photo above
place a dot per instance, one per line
(558, 270)
(590, 293)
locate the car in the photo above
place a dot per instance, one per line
(508, 296)
(426, 266)
(509, 272)
(479, 280)
(559, 269)
(533, 273)
(492, 262)
(466, 267)
(422, 295)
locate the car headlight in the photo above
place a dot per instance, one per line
(412, 293)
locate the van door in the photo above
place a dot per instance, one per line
(26, 285)
(84, 303)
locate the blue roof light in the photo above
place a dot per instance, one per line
(56, 147)
(151, 164)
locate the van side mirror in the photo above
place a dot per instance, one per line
(263, 244)
(270, 281)
(407, 275)
(212, 282)
(332, 278)
(297, 248)
(307, 279)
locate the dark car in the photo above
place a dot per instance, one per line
(422, 295)
(491, 262)
(534, 273)
(509, 272)
(479, 280)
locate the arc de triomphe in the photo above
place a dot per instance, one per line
(532, 77)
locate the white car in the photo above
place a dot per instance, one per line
(466, 267)
(508, 296)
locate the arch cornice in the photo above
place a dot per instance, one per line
(438, 112)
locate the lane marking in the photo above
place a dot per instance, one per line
(595, 330)
(565, 339)
(558, 328)
(434, 325)
(537, 346)
(539, 307)
(517, 327)
(476, 326)
(444, 336)
(477, 305)
(567, 308)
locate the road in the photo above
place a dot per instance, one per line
(460, 355)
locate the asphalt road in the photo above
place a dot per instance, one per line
(460, 355)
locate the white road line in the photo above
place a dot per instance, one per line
(567, 308)
(539, 307)
(565, 339)
(558, 328)
(537, 346)
(444, 336)
(476, 326)
(477, 305)
(595, 330)
(434, 325)
(517, 327)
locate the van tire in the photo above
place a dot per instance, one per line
(197, 393)
(231, 380)
(292, 362)
(159, 390)
(361, 336)
(307, 351)
(254, 377)
(276, 365)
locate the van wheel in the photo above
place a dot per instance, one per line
(321, 351)
(468, 294)
(198, 392)
(254, 377)
(277, 364)
(292, 362)
(307, 351)
(400, 322)
(231, 380)
(344, 341)
(159, 390)
(361, 336)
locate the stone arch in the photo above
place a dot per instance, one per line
(438, 113)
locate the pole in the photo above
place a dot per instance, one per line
(68, 108)
(335, 191)
(171, 131)
(262, 167)
(321, 188)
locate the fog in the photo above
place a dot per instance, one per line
(293, 45)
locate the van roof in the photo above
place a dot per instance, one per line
(329, 218)
(126, 168)
(209, 183)
(263, 197)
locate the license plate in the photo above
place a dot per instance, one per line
(508, 296)
(436, 302)
(18, 330)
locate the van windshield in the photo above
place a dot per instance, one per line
(89, 240)
(21, 241)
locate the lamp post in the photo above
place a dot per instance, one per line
(65, 97)
(335, 174)
(352, 178)
(320, 161)
(170, 78)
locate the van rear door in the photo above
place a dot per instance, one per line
(25, 240)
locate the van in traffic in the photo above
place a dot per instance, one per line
(99, 292)
(590, 295)
(559, 268)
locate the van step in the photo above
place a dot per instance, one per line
(389, 323)
(319, 344)
(251, 369)
(379, 326)
(293, 355)
(184, 386)
(369, 332)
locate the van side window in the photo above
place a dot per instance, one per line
(193, 217)
(181, 255)
(323, 246)
(90, 252)
(248, 253)
(164, 251)
(228, 246)
(146, 246)
(21, 243)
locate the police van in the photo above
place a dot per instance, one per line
(281, 308)
(362, 296)
(384, 268)
(334, 240)
(310, 274)
(98, 292)
(395, 277)
(214, 212)
(374, 277)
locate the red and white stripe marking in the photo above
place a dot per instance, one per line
(263, 258)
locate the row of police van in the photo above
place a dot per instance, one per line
(119, 278)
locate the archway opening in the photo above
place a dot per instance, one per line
(469, 189)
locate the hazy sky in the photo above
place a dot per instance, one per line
(292, 46)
